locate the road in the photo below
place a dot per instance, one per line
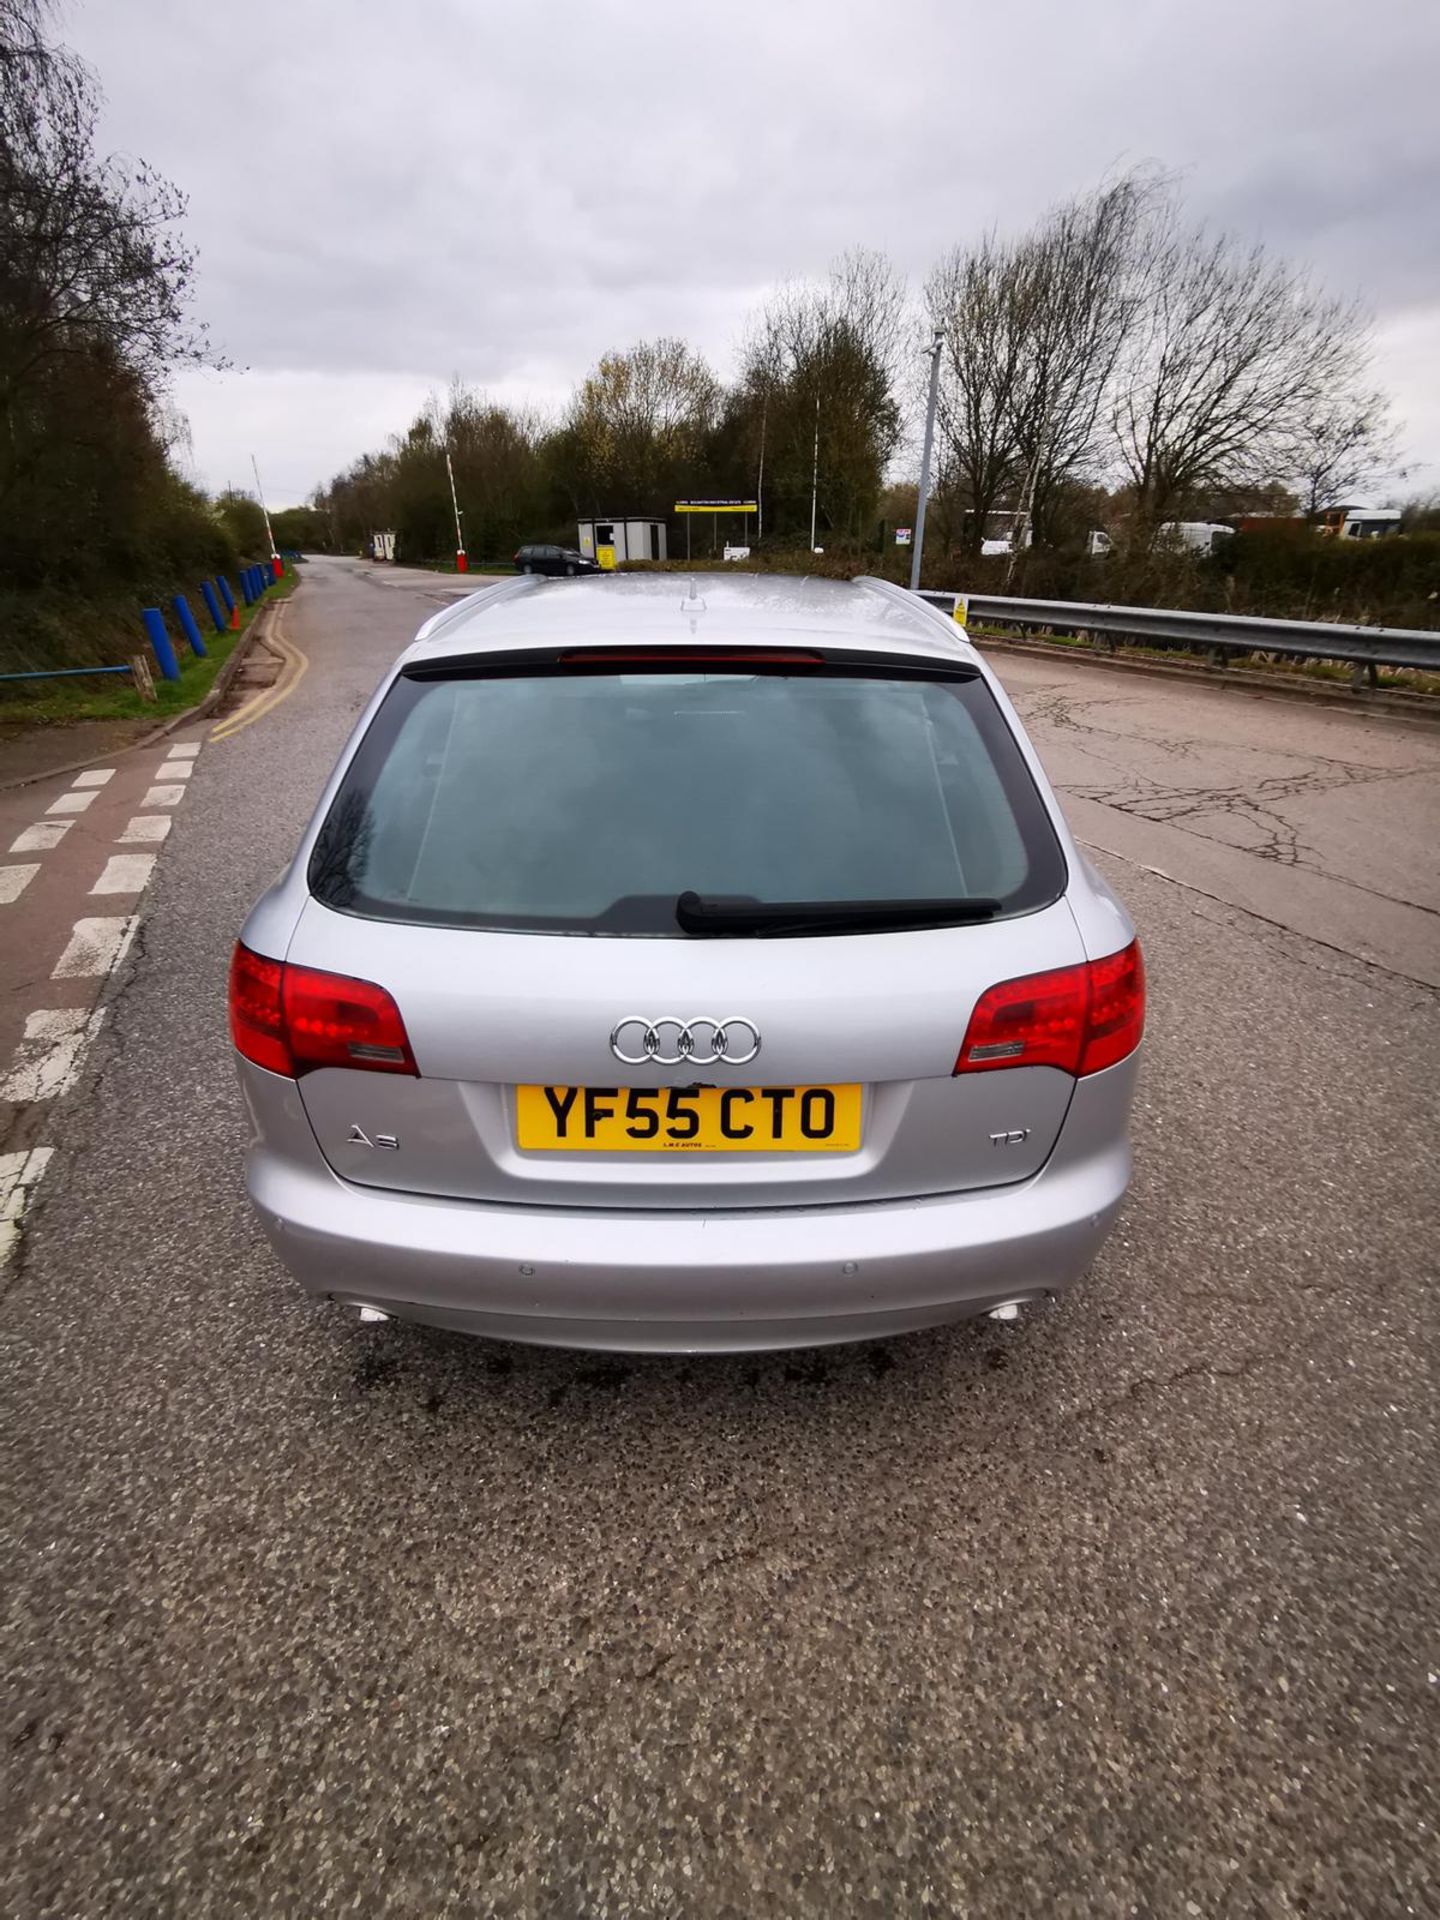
(1126, 1609)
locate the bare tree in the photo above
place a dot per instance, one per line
(1076, 303)
(866, 297)
(975, 299)
(1344, 444)
(1234, 352)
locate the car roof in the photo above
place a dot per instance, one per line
(679, 609)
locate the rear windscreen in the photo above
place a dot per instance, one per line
(587, 803)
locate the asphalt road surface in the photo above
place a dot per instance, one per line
(1126, 1609)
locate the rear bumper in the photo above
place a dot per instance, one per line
(673, 1282)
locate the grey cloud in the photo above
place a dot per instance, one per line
(504, 191)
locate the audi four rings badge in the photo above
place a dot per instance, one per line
(668, 1042)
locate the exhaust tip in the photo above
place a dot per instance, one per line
(372, 1316)
(1007, 1310)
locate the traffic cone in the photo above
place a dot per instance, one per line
(234, 616)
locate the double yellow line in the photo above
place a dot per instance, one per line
(293, 668)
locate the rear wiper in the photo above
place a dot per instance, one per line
(696, 913)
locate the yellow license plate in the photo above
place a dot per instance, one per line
(688, 1119)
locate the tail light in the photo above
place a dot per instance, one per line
(292, 1019)
(1080, 1019)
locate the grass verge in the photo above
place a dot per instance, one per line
(59, 703)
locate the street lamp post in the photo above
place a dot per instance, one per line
(924, 498)
(815, 474)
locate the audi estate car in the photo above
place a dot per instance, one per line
(681, 964)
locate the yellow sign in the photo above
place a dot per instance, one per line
(716, 506)
(688, 1119)
(961, 614)
(605, 558)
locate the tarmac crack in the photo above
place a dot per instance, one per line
(1160, 1384)
(1272, 926)
(1278, 839)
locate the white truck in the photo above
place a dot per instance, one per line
(1195, 536)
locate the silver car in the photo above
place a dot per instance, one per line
(682, 964)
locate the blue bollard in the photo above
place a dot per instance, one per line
(187, 623)
(225, 594)
(160, 641)
(212, 604)
(245, 592)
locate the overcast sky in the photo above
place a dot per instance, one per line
(388, 193)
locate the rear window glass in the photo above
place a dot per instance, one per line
(587, 803)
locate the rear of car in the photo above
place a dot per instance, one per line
(693, 982)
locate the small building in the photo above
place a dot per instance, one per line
(625, 540)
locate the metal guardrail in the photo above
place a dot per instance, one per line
(61, 673)
(1223, 634)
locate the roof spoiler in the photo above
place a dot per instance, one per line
(469, 603)
(902, 596)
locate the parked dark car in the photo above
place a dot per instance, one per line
(554, 560)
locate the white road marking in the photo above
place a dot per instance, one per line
(14, 880)
(19, 1176)
(96, 777)
(71, 803)
(126, 873)
(186, 752)
(11, 1167)
(176, 770)
(48, 1058)
(96, 947)
(41, 837)
(145, 826)
(163, 797)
